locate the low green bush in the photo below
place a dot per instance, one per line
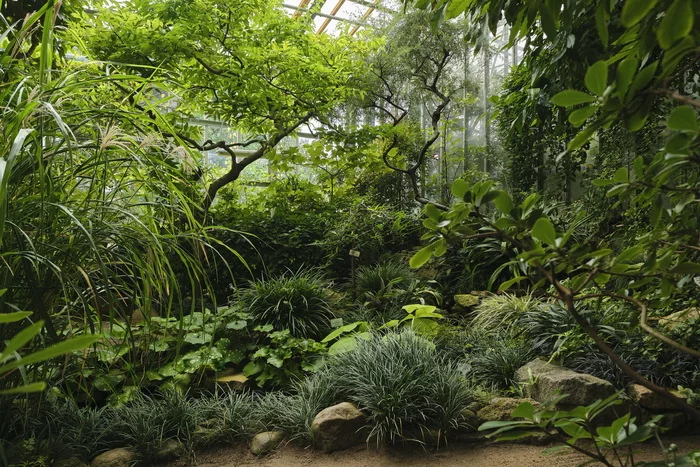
(294, 301)
(502, 312)
(403, 383)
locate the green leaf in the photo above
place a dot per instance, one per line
(432, 212)
(456, 8)
(581, 138)
(67, 346)
(524, 410)
(21, 338)
(676, 23)
(33, 387)
(629, 253)
(621, 175)
(643, 78)
(571, 97)
(13, 317)
(579, 116)
(422, 256)
(503, 202)
(683, 118)
(275, 361)
(543, 230)
(252, 368)
(686, 268)
(506, 285)
(596, 78)
(602, 16)
(635, 10)
(499, 424)
(460, 188)
(625, 72)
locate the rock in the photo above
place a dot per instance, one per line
(170, 450)
(69, 462)
(263, 443)
(674, 319)
(120, 457)
(500, 409)
(544, 381)
(235, 381)
(338, 427)
(465, 301)
(476, 406)
(649, 400)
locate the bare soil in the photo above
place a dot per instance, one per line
(454, 455)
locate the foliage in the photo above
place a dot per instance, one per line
(611, 444)
(644, 59)
(421, 319)
(403, 383)
(374, 231)
(283, 224)
(294, 301)
(385, 288)
(502, 311)
(495, 361)
(250, 65)
(284, 358)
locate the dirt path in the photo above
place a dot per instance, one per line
(455, 455)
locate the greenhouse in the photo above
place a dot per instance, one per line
(349, 232)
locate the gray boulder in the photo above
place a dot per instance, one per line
(649, 400)
(338, 427)
(262, 443)
(545, 381)
(500, 408)
(120, 457)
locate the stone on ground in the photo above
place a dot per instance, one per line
(120, 457)
(545, 381)
(338, 427)
(263, 443)
(500, 408)
(170, 450)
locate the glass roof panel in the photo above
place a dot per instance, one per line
(335, 15)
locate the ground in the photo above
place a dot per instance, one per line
(454, 455)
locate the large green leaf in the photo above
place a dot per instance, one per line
(596, 78)
(571, 97)
(543, 230)
(634, 10)
(67, 346)
(422, 256)
(683, 118)
(676, 23)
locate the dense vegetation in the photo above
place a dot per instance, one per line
(149, 295)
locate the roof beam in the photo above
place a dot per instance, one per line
(328, 20)
(366, 16)
(324, 15)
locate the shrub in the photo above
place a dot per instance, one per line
(147, 421)
(378, 277)
(293, 414)
(403, 384)
(495, 364)
(297, 301)
(502, 311)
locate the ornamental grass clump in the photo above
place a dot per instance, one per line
(404, 386)
(297, 301)
(502, 312)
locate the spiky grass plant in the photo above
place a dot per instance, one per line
(378, 277)
(147, 421)
(297, 301)
(104, 220)
(502, 312)
(403, 384)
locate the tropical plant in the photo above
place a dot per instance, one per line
(611, 444)
(297, 301)
(503, 311)
(403, 384)
(284, 75)
(618, 89)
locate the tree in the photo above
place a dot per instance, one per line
(414, 72)
(246, 63)
(648, 52)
